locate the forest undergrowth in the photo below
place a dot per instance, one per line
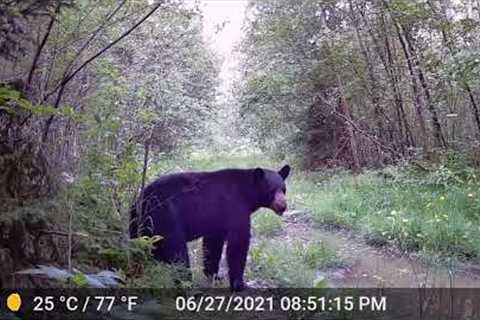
(431, 210)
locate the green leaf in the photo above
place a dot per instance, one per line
(79, 279)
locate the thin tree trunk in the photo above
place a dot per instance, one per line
(398, 96)
(90, 39)
(475, 111)
(371, 74)
(448, 42)
(146, 156)
(440, 139)
(38, 53)
(416, 71)
(388, 64)
(417, 101)
(351, 135)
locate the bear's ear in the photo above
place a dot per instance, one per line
(258, 173)
(284, 172)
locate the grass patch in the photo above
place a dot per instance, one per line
(161, 275)
(267, 224)
(437, 211)
(292, 264)
(317, 254)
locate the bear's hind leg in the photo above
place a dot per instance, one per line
(172, 249)
(212, 253)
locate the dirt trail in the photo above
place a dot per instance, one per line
(368, 266)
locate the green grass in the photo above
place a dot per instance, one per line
(438, 211)
(289, 264)
(266, 223)
(161, 276)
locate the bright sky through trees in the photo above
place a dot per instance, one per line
(223, 29)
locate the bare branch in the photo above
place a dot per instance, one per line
(92, 58)
(42, 45)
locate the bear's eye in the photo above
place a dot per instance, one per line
(284, 190)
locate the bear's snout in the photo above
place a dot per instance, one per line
(279, 204)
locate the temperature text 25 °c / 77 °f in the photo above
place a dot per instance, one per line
(82, 304)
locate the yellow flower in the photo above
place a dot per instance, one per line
(442, 198)
(470, 195)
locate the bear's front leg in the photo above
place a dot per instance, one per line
(237, 249)
(212, 253)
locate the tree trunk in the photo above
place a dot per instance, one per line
(373, 90)
(417, 101)
(448, 43)
(437, 128)
(41, 46)
(351, 134)
(388, 64)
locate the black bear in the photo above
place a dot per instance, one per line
(216, 205)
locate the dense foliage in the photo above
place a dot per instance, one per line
(361, 82)
(88, 101)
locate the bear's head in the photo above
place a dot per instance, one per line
(272, 189)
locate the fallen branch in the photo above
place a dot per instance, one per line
(370, 137)
(373, 139)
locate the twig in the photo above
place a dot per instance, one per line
(70, 218)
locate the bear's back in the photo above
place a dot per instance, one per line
(171, 185)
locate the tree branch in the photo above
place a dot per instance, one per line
(97, 31)
(102, 51)
(41, 46)
(92, 58)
